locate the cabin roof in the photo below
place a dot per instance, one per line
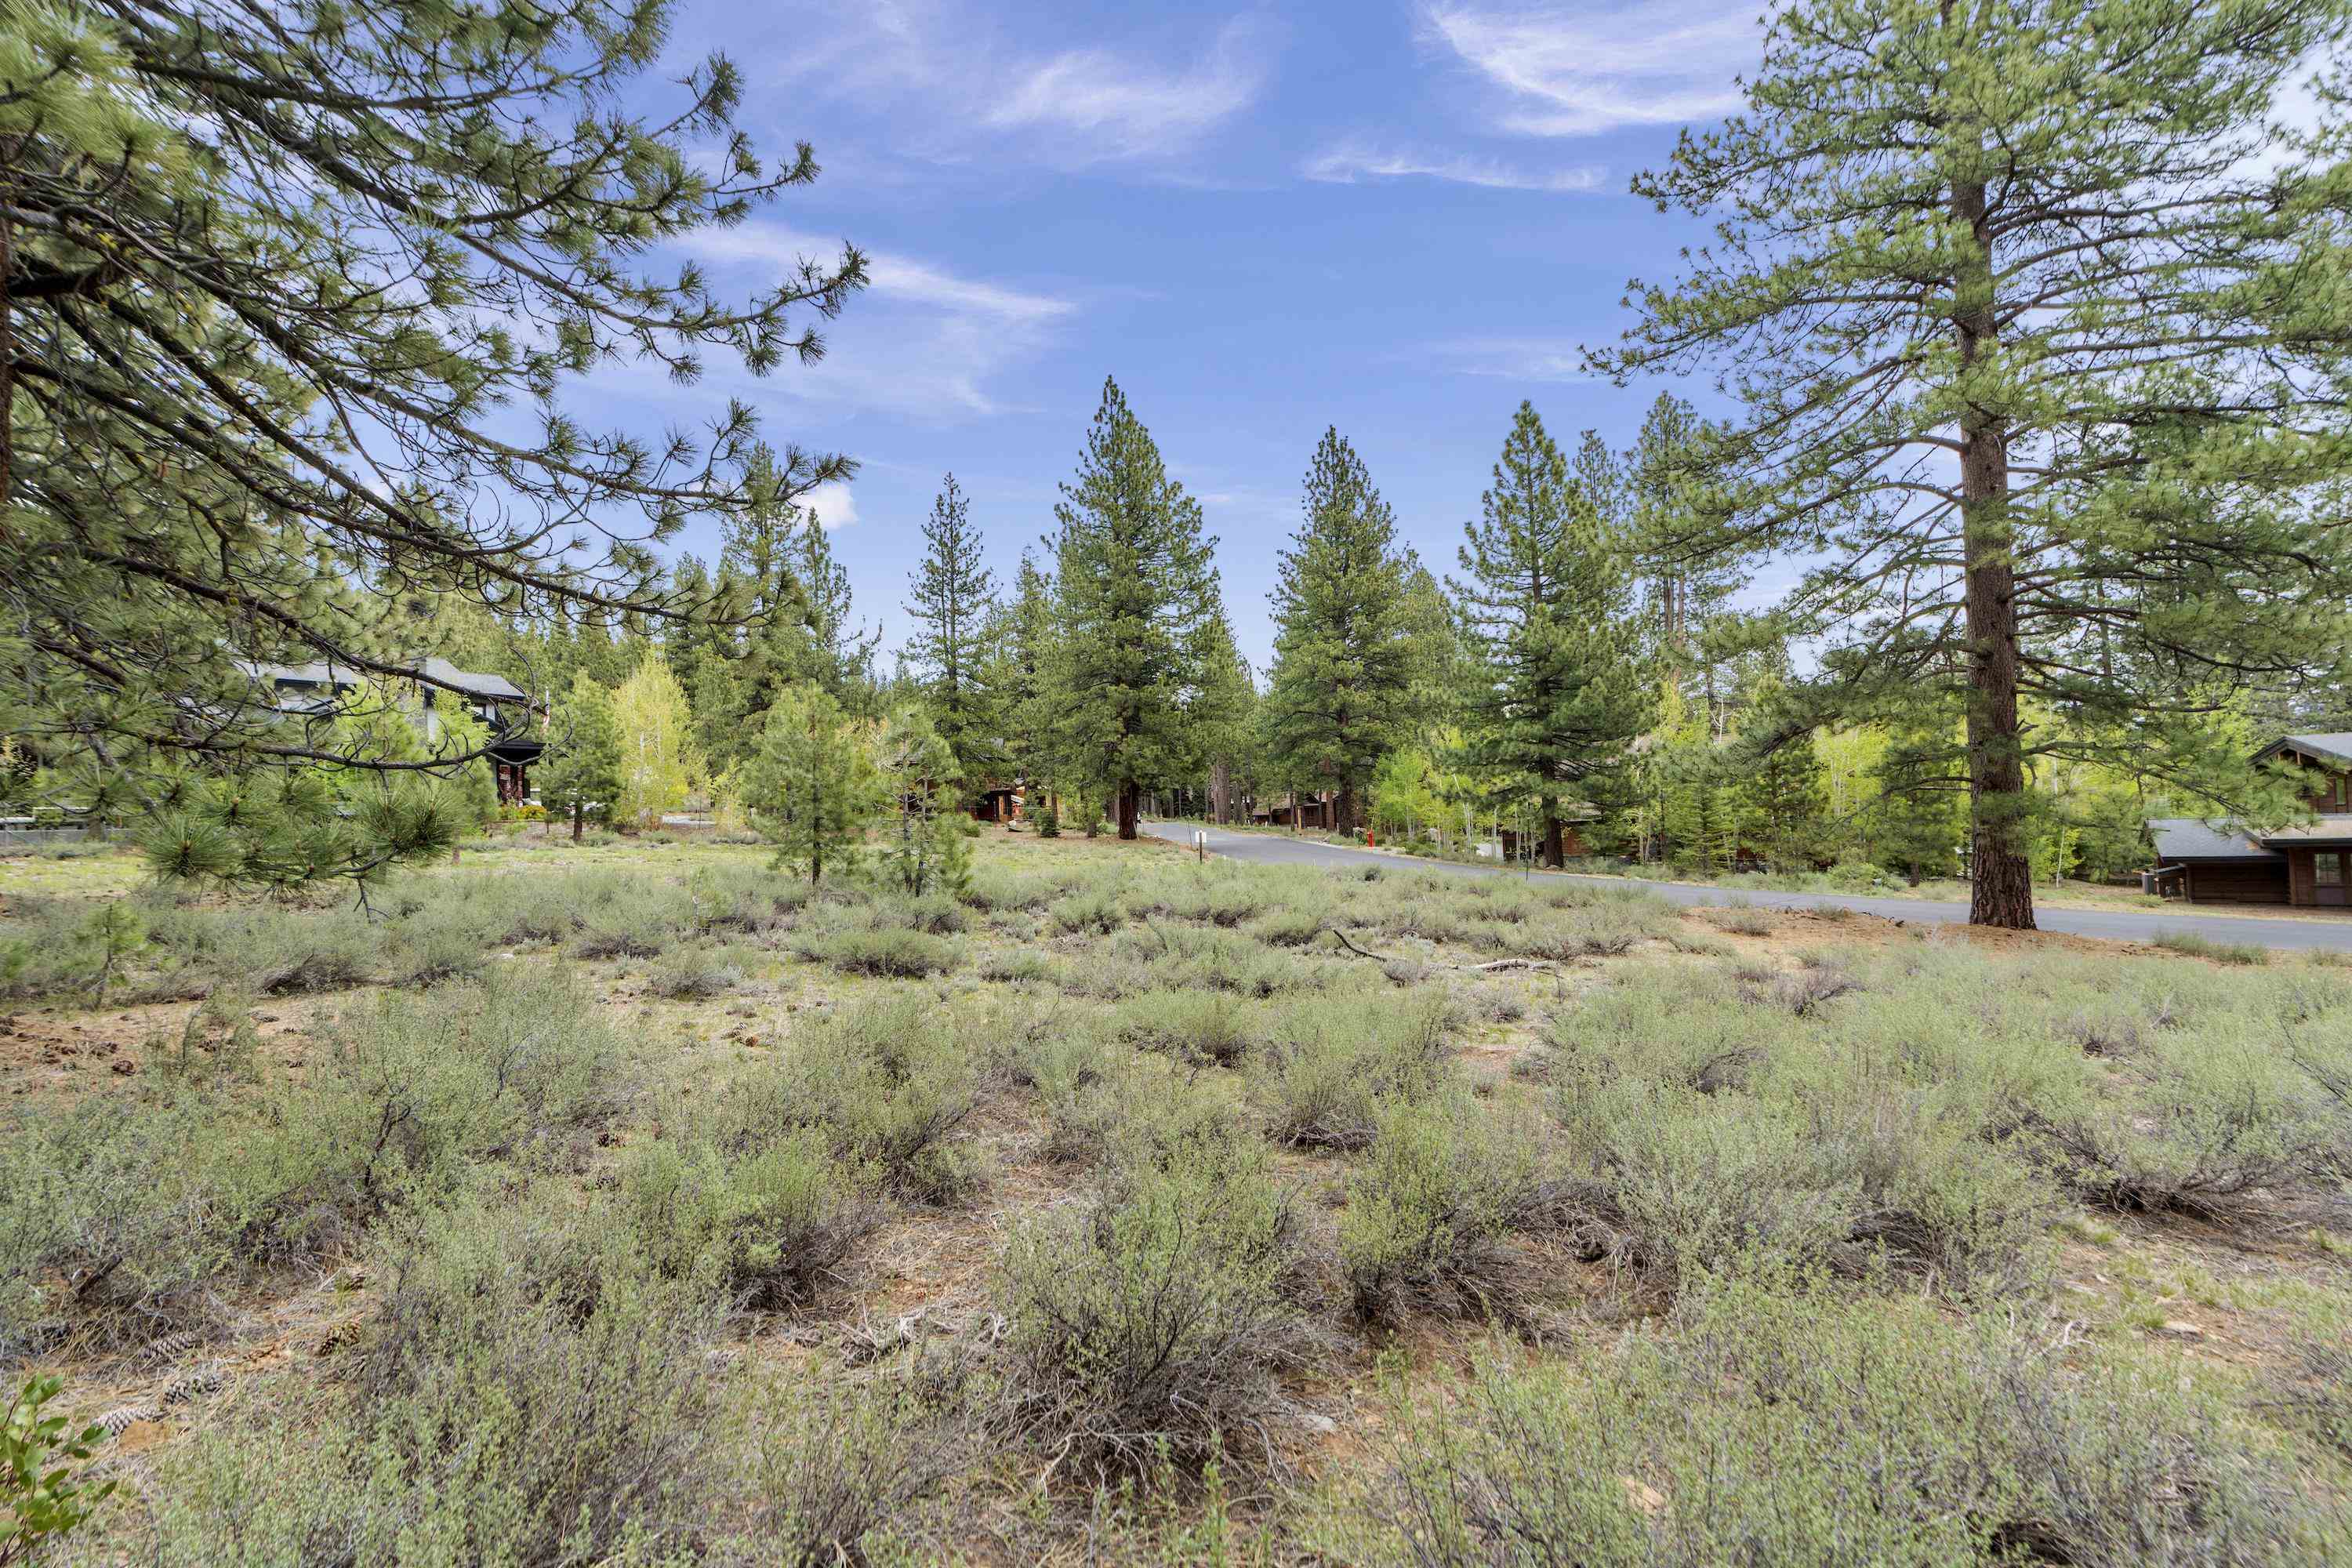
(2195, 839)
(2336, 746)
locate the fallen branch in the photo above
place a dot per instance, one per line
(1498, 964)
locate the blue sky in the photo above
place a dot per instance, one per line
(1397, 217)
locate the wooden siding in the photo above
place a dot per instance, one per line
(2243, 882)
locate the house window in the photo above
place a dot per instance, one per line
(2327, 868)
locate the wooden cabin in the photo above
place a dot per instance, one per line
(1316, 811)
(2306, 863)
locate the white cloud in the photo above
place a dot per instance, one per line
(1128, 109)
(1581, 69)
(948, 80)
(889, 274)
(1514, 359)
(834, 505)
(921, 339)
(1351, 163)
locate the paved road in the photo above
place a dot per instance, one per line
(2119, 925)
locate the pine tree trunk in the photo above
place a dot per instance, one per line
(1129, 793)
(2002, 890)
(1220, 791)
(1348, 807)
(1555, 851)
(577, 811)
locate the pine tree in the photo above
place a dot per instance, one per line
(1138, 604)
(1342, 650)
(1681, 596)
(1224, 719)
(834, 652)
(656, 727)
(1025, 646)
(1561, 696)
(2036, 361)
(811, 789)
(923, 846)
(292, 313)
(953, 609)
(581, 776)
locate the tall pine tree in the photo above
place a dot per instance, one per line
(1559, 695)
(582, 776)
(953, 607)
(1342, 649)
(2041, 335)
(1139, 606)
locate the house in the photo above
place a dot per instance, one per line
(1318, 810)
(2306, 863)
(311, 691)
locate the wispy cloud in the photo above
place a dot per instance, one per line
(1582, 69)
(1513, 359)
(922, 340)
(963, 83)
(890, 275)
(1353, 162)
(1125, 108)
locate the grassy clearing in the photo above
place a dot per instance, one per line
(632, 1204)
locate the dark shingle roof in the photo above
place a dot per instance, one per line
(2194, 838)
(2335, 744)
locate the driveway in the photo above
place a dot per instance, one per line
(2116, 925)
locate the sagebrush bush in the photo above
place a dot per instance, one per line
(1153, 1320)
(1212, 1027)
(531, 1390)
(892, 952)
(1099, 911)
(1431, 1208)
(1328, 1067)
(838, 1466)
(888, 1082)
(125, 1212)
(1769, 1425)
(773, 1224)
(693, 974)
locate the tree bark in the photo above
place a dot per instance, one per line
(1348, 808)
(1129, 793)
(1220, 791)
(2001, 877)
(577, 811)
(1555, 851)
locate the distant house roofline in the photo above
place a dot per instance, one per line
(2334, 746)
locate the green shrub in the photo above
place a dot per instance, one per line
(886, 1081)
(1100, 910)
(1767, 1426)
(2245, 955)
(693, 974)
(837, 1466)
(772, 1222)
(1682, 1182)
(889, 951)
(1019, 966)
(531, 1389)
(1154, 1320)
(2219, 1126)
(1329, 1067)
(125, 1212)
(1210, 1026)
(46, 1488)
(1429, 1212)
